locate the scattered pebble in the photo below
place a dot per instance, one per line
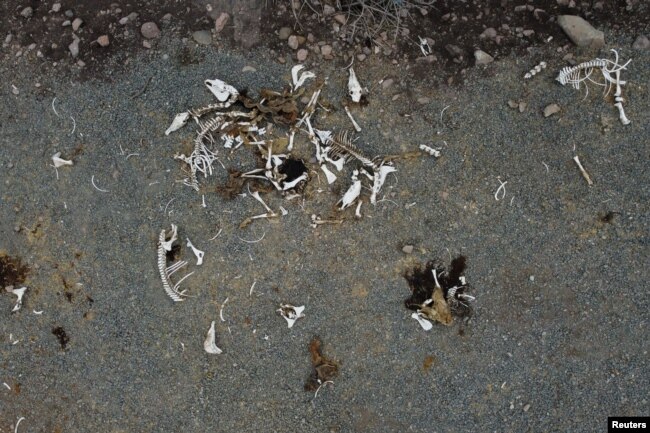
(407, 249)
(526, 408)
(27, 12)
(551, 109)
(641, 43)
(56, 7)
(103, 41)
(340, 18)
(66, 23)
(581, 32)
(76, 24)
(423, 100)
(284, 33)
(74, 48)
(328, 10)
(513, 104)
(202, 37)
(301, 55)
(489, 33)
(482, 58)
(248, 69)
(387, 83)
(221, 21)
(150, 30)
(293, 42)
(326, 50)
(124, 20)
(68, 13)
(146, 44)
(454, 50)
(15, 91)
(361, 57)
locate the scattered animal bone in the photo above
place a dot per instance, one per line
(354, 122)
(179, 121)
(379, 178)
(619, 101)
(290, 313)
(197, 252)
(59, 162)
(583, 171)
(354, 88)
(225, 93)
(209, 343)
(430, 150)
(536, 70)
(297, 82)
(167, 271)
(331, 177)
(357, 212)
(19, 294)
(424, 46)
(621, 114)
(317, 220)
(426, 325)
(353, 192)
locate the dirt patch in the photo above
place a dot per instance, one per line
(324, 369)
(12, 271)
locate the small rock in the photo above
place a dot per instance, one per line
(423, 100)
(284, 33)
(221, 21)
(56, 7)
(513, 104)
(454, 50)
(301, 55)
(326, 50)
(581, 32)
(340, 18)
(15, 91)
(167, 17)
(328, 10)
(551, 109)
(528, 33)
(482, 58)
(76, 24)
(202, 37)
(146, 44)
(66, 23)
(124, 20)
(103, 41)
(81, 63)
(641, 43)
(522, 107)
(150, 30)
(489, 33)
(293, 42)
(521, 8)
(361, 57)
(74, 47)
(282, 60)
(387, 83)
(68, 13)
(407, 249)
(248, 68)
(526, 408)
(27, 12)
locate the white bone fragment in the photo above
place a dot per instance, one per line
(424, 46)
(583, 171)
(296, 181)
(256, 196)
(179, 121)
(297, 82)
(167, 245)
(197, 252)
(621, 114)
(19, 294)
(536, 70)
(426, 325)
(224, 92)
(291, 136)
(331, 177)
(379, 179)
(283, 211)
(353, 192)
(354, 122)
(59, 162)
(221, 310)
(354, 88)
(228, 140)
(430, 150)
(291, 313)
(357, 213)
(209, 343)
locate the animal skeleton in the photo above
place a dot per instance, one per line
(167, 271)
(582, 72)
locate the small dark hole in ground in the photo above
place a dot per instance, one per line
(608, 218)
(174, 254)
(63, 338)
(292, 168)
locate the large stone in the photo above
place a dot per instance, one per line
(150, 30)
(581, 32)
(202, 37)
(482, 58)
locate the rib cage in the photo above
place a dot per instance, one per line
(343, 146)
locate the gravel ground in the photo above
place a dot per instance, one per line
(558, 340)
